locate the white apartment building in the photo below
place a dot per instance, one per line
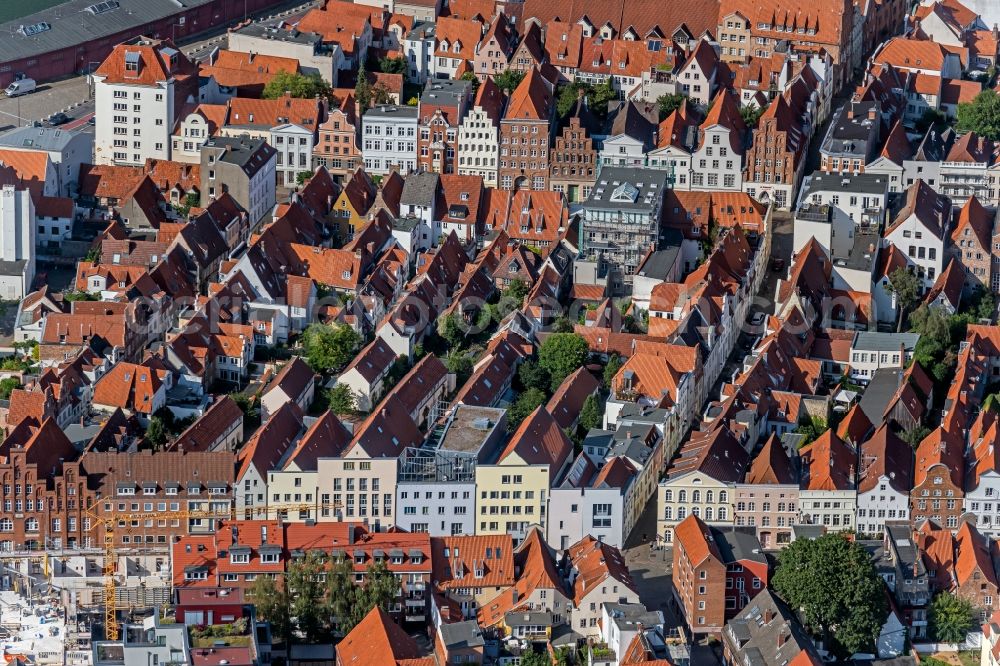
(418, 48)
(479, 135)
(314, 56)
(17, 243)
(294, 145)
(871, 350)
(885, 481)
(598, 502)
(66, 150)
(920, 231)
(389, 139)
(138, 90)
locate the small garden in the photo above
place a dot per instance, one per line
(235, 634)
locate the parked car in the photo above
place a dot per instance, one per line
(757, 319)
(59, 118)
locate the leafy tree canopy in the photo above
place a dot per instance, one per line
(834, 584)
(561, 354)
(329, 348)
(981, 115)
(669, 103)
(508, 80)
(951, 618)
(297, 85)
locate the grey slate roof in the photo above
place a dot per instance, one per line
(71, 24)
(628, 188)
(51, 139)
(457, 635)
(420, 189)
(887, 342)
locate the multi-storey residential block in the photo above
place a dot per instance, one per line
(938, 480)
(525, 134)
(853, 138)
(436, 489)
(514, 490)
(443, 106)
(905, 574)
(479, 135)
(716, 573)
(591, 501)
(313, 53)
(871, 350)
(828, 493)
(389, 139)
(245, 169)
(972, 244)
(138, 91)
(919, 231)
(622, 221)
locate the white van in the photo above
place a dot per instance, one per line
(22, 87)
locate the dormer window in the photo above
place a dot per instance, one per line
(239, 557)
(268, 558)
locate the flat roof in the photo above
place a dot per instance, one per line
(445, 92)
(469, 427)
(71, 23)
(861, 183)
(276, 34)
(628, 188)
(391, 112)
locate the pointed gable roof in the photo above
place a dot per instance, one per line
(897, 146)
(886, 454)
(772, 466)
(532, 99)
(933, 210)
(376, 641)
(974, 220)
(539, 441)
(828, 464)
(326, 438)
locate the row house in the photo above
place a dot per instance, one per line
(630, 136)
(768, 628)
(717, 573)
(828, 493)
(919, 231)
(525, 135)
(574, 157)
(600, 501)
(768, 498)
(495, 49)
(885, 479)
(470, 571)
(479, 135)
(960, 563)
(972, 245)
(455, 44)
(701, 480)
(347, 30)
(338, 146)
(904, 571)
(390, 139)
(442, 108)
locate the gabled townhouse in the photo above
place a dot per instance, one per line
(220, 428)
(514, 490)
(564, 47)
(701, 480)
(600, 501)
(828, 491)
(919, 231)
(768, 497)
(352, 205)
(939, 479)
(970, 169)
(442, 107)
(455, 43)
(479, 135)
(717, 573)
(960, 563)
(698, 76)
(525, 135)
(721, 144)
(345, 29)
(885, 479)
(496, 47)
(597, 575)
(459, 208)
(338, 140)
(136, 389)
(293, 482)
(983, 476)
(905, 574)
(365, 374)
(631, 135)
(294, 383)
(574, 157)
(971, 243)
(529, 53)
(368, 468)
(261, 453)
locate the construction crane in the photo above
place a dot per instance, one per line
(111, 625)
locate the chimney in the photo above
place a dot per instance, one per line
(768, 615)
(782, 638)
(871, 113)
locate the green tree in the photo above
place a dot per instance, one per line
(156, 433)
(297, 85)
(611, 369)
(566, 101)
(669, 103)
(380, 589)
(381, 95)
(522, 408)
(533, 375)
(250, 409)
(905, 286)
(392, 65)
(951, 618)
(599, 96)
(341, 594)
(982, 304)
(535, 659)
(751, 114)
(302, 176)
(460, 363)
(451, 329)
(341, 401)
(471, 76)
(516, 290)
(915, 435)
(591, 414)
(7, 385)
(562, 325)
(931, 118)
(812, 428)
(508, 80)
(981, 115)
(363, 90)
(561, 354)
(329, 348)
(832, 581)
(271, 603)
(306, 595)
